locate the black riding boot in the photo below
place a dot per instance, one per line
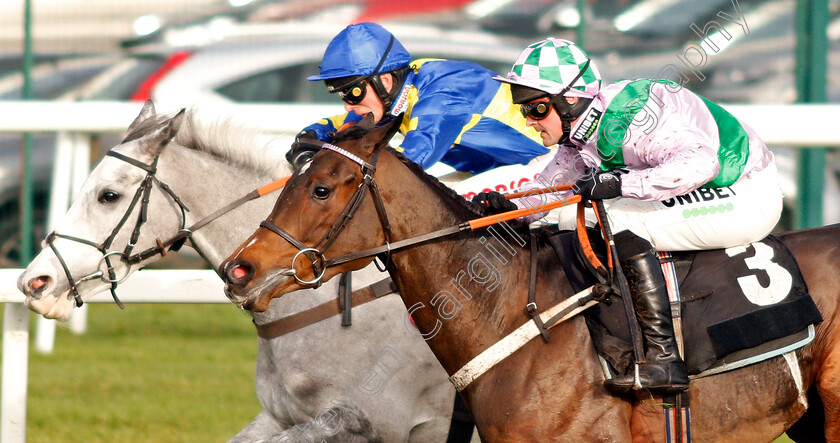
(663, 369)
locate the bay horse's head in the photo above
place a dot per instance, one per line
(323, 208)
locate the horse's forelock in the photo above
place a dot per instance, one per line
(356, 132)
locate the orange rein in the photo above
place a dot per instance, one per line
(510, 215)
(586, 246)
(273, 186)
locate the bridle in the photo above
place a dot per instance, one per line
(142, 196)
(315, 253)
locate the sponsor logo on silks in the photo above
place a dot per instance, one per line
(699, 195)
(587, 126)
(401, 103)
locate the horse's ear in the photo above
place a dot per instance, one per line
(366, 121)
(154, 143)
(147, 111)
(383, 134)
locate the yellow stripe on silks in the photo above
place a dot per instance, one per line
(336, 120)
(473, 121)
(501, 109)
(416, 64)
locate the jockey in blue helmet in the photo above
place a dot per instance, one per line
(454, 112)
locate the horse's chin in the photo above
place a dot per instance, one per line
(59, 308)
(259, 296)
(259, 303)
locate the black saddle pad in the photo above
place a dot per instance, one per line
(731, 300)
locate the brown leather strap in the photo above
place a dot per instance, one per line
(323, 311)
(531, 307)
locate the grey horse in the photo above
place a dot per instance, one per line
(373, 381)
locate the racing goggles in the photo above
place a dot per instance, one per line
(537, 110)
(354, 94)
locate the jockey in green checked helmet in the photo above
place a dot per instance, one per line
(674, 170)
(556, 69)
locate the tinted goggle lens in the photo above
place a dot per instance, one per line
(354, 94)
(535, 110)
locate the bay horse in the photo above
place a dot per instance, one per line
(207, 163)
(544, 391)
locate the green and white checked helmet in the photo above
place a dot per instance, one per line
(552, 65)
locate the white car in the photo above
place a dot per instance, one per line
(270, 63)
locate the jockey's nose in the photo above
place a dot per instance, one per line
(238, 272)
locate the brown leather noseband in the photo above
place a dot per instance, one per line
(315, 253)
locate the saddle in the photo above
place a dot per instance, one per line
(737, 306)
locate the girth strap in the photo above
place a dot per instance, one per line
(323, 311)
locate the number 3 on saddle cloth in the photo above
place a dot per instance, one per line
(738, 306)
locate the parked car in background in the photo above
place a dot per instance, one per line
(51, 76)
(261, 63)
(272, 68)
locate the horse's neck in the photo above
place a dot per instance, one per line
(474, 291)
(206, 183)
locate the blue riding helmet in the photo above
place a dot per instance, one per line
(358, 50)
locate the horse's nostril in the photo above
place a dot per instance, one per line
(39, 283)
(239, 272)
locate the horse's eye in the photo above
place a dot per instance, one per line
(108, 197)
(321, 192)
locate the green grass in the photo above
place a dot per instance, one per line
(150, 373)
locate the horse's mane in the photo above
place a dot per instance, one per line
(232, 141)
(236, 142)
(436, 184)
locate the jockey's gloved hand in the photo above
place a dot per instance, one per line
(493, 202)
(598, 185)
(306, 144)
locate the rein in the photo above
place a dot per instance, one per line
(315, 254)
(320, 263)
(142, 195)
(538, 324)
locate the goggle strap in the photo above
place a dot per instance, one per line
(577, 77)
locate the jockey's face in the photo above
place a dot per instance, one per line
(550, 127)
(371, 103)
